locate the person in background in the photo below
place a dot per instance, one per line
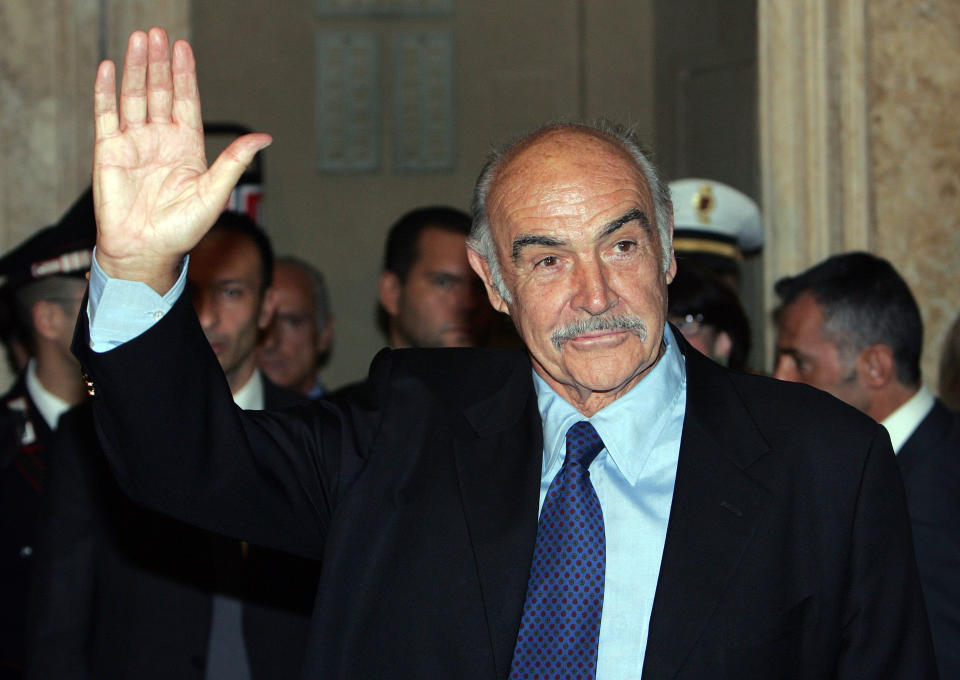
(45, 277)
(850, 326)
(429, 296)
(714, 227)
(949, 379)
(300, 333)
(709, 316)
(122, 592)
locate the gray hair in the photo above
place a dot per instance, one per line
(321, 298)
(481, 236)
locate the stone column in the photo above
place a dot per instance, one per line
(48, 59)
(858, 147)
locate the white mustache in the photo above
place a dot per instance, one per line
(598, 323)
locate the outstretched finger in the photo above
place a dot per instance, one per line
(159, 80)
(186, 95)
(106, 122)
(133, 86)
(231, 163)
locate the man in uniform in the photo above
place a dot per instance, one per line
(714, 227)
(46, 278)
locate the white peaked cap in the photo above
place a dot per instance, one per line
(711, 217)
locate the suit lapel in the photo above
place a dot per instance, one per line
(716, 507)
(498, 454)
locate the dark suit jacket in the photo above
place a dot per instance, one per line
(122, 592)
(24, 460)
(930, 464)
(788, 550)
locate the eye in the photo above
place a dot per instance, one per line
(625, 246)
(443, 281)
(232, 293)
(548, 261)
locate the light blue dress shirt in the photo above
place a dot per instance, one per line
(634, 477)
(119, 310)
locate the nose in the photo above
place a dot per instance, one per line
(593, 292)
(270, 340)
(206, 309)
(786, 369)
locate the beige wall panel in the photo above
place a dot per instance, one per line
(618, 46)
(516, 64)
(915, 98)
(48, 60)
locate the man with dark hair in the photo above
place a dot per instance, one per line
(45, 277)
(301, 331)
(708, 314)
(230, 277)
(607, 504)
(124, 592)
(850, 326)
(429, 296)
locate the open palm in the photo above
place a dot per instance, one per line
(154, 196)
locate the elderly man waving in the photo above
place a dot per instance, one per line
(606, 504)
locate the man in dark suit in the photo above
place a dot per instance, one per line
(300, 334)
(125, 592)
(45, 279)
(714, 539)
(428, 295)
(850, 326)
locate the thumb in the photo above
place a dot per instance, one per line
(230, 164)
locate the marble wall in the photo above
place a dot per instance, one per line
(48, 59)
(914, 93)
(859, 145)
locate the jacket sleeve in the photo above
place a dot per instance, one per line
(885, 629)
(178, 444)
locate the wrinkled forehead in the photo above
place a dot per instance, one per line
(563, 165)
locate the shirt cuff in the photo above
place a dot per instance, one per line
(120, 310)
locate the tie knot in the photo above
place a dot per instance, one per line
(583, 444)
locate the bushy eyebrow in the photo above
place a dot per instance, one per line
(627, 217)
(525, 240)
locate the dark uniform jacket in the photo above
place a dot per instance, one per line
(24, 453)
(788, 551)
(930, 463)
(123, 592)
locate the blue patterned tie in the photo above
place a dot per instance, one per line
(560, 627)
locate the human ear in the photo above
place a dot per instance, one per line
(388, 292)
(722, 345)
(877, 366)
(672, 267)
(267, 307)
(480, 265)
(325, 337)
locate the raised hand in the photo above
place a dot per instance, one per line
(153, 194)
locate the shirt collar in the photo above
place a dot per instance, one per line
(629, 426)
(51, 406)
(250, 396)
(901, 423)
(317, 391)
